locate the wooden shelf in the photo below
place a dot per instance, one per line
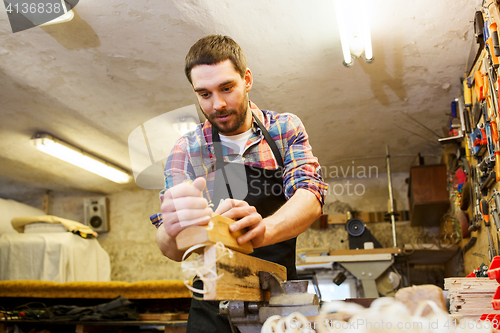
(429, 198)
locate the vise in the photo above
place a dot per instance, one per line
(286, 298)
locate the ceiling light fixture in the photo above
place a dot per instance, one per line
(68, 16)
(354, 30)
(66, 152)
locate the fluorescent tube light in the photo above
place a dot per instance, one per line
(354, 30)
(344, 38)
(365, 26)
(64, 151)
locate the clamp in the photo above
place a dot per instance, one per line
(286, 298)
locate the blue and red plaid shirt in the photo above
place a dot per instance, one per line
(193, 155)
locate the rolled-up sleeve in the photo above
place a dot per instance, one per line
(302, 169)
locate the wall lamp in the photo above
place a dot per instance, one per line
(354, 29)
(76, 156)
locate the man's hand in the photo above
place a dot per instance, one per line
(247, 217)
(184, 205)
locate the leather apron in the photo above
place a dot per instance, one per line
(266, 194)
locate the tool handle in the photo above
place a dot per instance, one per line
(485, 208)
(494, 58)
(494, 131)
(496, 194)
(485, 211)
(486, 116)
(479, 84)
(467, 94)
(485, 87)
(467, 121)
(498, 97)
(494, 36)
(478, 26)
(497, 167)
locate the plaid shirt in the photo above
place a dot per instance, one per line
(193, 155)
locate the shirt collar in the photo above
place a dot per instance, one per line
(207, 126)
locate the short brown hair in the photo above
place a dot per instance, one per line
(211, 50)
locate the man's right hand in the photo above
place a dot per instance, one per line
(184, 205)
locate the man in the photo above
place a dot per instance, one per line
(282, 187)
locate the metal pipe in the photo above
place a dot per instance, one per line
(391, 198)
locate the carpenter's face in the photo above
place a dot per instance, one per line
(223, 96)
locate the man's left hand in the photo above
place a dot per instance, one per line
(246, 216)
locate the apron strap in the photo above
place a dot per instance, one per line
(270, 142)
(219, 162)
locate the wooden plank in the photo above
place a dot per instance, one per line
(164, 316)
(350, 258)
(217, 230)
(471, 297)
(367, 217)
(239, 276)
(392, 250)
(150, 316)
(337, 218)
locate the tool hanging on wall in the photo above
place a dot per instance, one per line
(476, 198)
(494, 36)
(472, 241)
(496, 220)
(494, 211)
(476, 113)
(489, 46)
(467, 94)
(486, 218)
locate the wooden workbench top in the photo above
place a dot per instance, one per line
(391, 250)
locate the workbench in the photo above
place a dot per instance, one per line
(156, 302)
(178, 326)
